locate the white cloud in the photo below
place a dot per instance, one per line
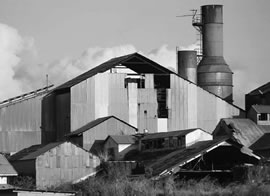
(11, 45)
(20, 71)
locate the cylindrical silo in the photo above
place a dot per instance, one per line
(187, 64)
(213, 73)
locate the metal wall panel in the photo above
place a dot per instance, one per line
(20, 125)
(147, 109)
(64, 163)
(111, 126)
(190, 106)
(118, 96)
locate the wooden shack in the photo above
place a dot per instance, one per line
(55, 163)
(99, 129)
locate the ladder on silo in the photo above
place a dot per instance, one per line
(197, 24)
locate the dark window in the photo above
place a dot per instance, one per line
(263, 116)
(162, 103)
(140, 82)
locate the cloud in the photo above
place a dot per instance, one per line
(11, 45)
(20, 71)
(65, 69)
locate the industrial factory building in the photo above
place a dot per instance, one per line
(139, 111)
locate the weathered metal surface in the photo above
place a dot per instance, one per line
(6, 168)
(214, 75)
(190, 106)
(187, 64)
(111, 126)
(20, 125)
(245, 131)
(57, 163)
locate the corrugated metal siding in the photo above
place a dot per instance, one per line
(147, 109)
(62, 115)
(118, 97)
(111, 126)
(20, 125)
(48, 119)
(191, 106)
(64, 163)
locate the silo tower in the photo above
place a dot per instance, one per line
(213, 73)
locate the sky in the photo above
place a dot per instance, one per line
(65, 38)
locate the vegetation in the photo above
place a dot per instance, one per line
(117, 183)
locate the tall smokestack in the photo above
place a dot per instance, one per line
(214, 75)
(187, 64)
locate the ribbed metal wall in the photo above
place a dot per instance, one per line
(20, 125)
(189, 106)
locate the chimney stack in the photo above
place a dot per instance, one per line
(187, 64)
(213, 73)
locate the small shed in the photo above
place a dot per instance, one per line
(6, 170)
(99, 129)
(55, 163)
(260, 114)
(118, 145)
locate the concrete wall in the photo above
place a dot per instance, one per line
(20, 125)
(64, 163)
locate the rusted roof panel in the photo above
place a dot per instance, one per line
(123, 139)
(245, 131)
(6, 168)
(261, 90)
(261, 108)
(179, 157)
(135, 62)
(167, 134)
(33, 151)
(93, 124)
(262, 144)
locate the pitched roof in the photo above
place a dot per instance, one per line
(244, 130)
(261, 90)
(6, 168)
(135, 62)
(262, 144)
(33, 151)
(180, 157)
(93, 124)
(261, 108)
(123, 139)
(167, 134)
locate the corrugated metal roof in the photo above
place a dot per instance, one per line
(135, 62)
(245, 131)
(123, 139)
(93, 124)
(261, 108)
(261, 90)
(6, 169)
(262, 144)
(167, 134)
(178, 157)
(33, 151)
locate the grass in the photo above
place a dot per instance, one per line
(117, 183)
